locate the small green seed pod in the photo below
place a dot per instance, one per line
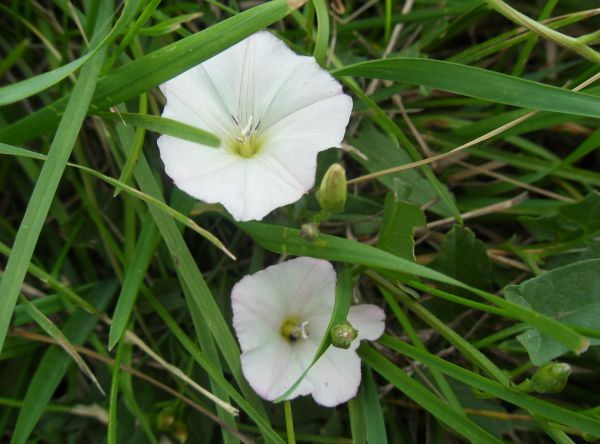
(343, 334)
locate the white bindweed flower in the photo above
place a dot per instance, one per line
(273, 111)
(280, 315)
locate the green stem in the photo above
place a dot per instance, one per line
(289, 422)
(571, 43)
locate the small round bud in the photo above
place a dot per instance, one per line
(179, 432)
(309, 231)
(343, 334)
(551, 377)
(165, 419)
(332, 192)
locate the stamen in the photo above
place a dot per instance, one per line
(248, 129)
(235, 120)
(303, 332)
(293, 329)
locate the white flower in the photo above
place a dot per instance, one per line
(280, 315)
(273, 110)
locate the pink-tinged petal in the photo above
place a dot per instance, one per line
(272, 369)
(263, 300)
(335, 377)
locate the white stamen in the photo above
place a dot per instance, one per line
(248, 129)
(303, 332)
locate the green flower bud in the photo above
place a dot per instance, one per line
(343, 334)
(179, 432)
(332, 192)
(551, 377)
(309, 231)
(165, 419)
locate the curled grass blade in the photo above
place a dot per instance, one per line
(55, 333)
(322, 37)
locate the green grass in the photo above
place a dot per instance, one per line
(473, 165)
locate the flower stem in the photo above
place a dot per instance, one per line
(289, 422)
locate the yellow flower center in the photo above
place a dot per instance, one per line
(248, 142)
(293, 329)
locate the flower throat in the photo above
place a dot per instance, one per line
(247, 143)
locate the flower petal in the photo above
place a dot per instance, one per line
(369, 320)
(273, 368)
(291, 105)
(262, 301)
(296, 140)
(335, 377)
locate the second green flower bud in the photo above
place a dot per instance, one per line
(332, 192)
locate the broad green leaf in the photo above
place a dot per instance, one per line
(46, 185)
(134, 78)
(53, 365)
(475, 82)
(286, 240)
(400, 219)
(570, 294)
(163, 125)
(425, 398)
(381, 152)
(464, 257)
(579, 221)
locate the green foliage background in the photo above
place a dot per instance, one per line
(472, 219)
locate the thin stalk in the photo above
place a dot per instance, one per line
(289, 422)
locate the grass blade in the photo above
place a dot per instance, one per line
(475, 82)
(163, 125)
(54, 332)
(44, 190)
(288, 241)
(131, 80)
(54, 363)
(545, 409)
(411, 388)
